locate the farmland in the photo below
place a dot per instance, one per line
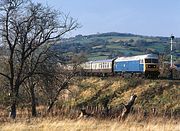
(110, 45)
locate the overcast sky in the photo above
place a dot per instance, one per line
(143, 17)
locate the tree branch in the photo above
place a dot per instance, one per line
(2, 74)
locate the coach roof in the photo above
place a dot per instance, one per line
(100, 61)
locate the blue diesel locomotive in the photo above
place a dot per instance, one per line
(147, 65)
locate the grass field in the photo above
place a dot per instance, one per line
(52, 124)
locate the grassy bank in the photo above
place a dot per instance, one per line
(88, 125)
(162, 95)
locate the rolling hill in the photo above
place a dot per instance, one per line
(113, 44)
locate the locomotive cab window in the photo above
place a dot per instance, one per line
(147, 60)
(154, 60)
(151, 60)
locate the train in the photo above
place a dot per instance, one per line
(141, 65)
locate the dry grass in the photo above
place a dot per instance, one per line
(85, 90)
(53, 124)
(149, 92)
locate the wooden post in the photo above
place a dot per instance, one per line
(84, 114)
(127, 107)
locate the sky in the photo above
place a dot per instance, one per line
(142, 17)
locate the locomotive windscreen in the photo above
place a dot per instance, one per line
(151, 60)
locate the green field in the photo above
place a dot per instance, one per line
(111, 45)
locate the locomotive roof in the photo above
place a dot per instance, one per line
(138, 57)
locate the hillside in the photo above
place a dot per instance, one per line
(163, 95)
(110, 45)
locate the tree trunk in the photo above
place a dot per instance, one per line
(33, 101)
(13, 110)
(14, 97)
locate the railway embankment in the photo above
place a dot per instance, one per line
(154, 97)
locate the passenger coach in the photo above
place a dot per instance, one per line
(99, 67)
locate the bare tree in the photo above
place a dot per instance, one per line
(58, 82)
(61, 76)
(45, 69)
(27, 28)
